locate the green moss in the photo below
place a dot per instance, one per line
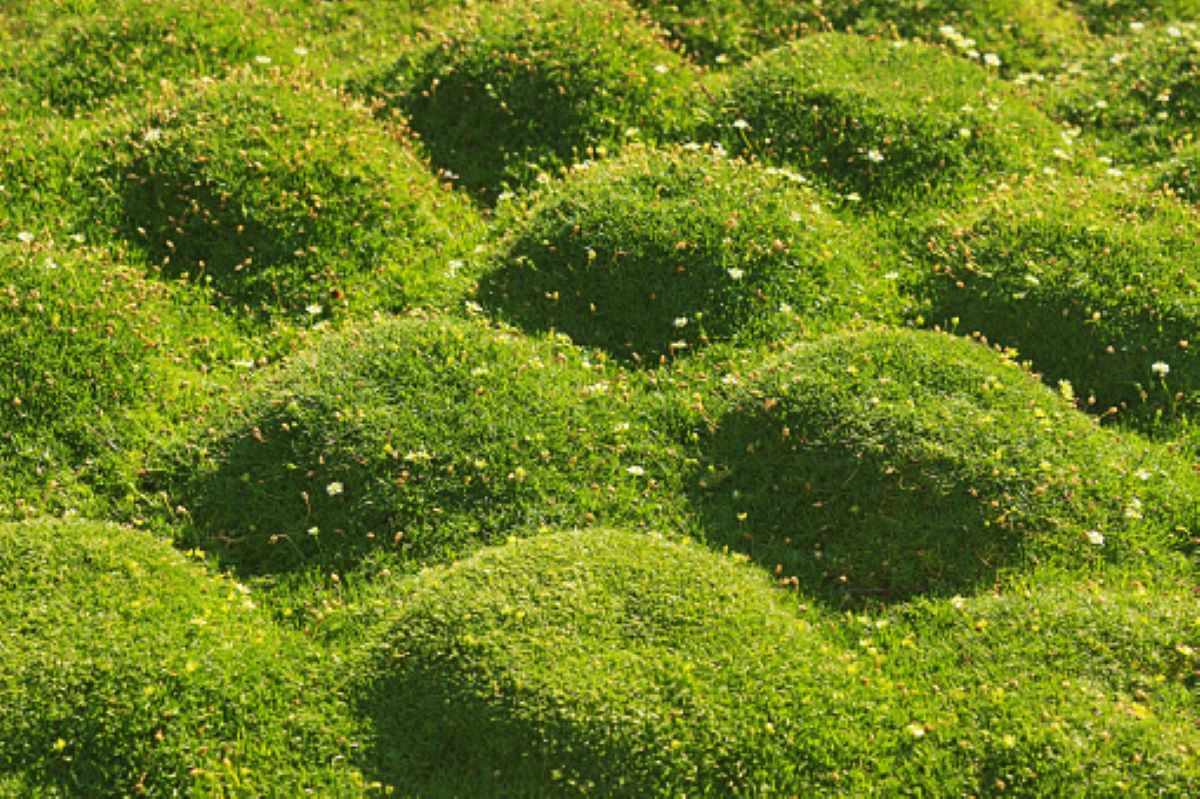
(512, 90)
(887, 121)
(78, 59)
(661, 252)
(1115, 16)
(1027, 34)
(879, 465)
(282, 198)
(128, 669)
(602, 662)
(89, 352)
(618, 664)
(1139, 93)
(423, 439)
(1181, 175)
(1094, 282)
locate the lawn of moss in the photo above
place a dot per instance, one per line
(617, 398)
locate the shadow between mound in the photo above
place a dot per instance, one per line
(434, 738)
(193, 229)
(848, 524)
(626, 305)
(328, 497)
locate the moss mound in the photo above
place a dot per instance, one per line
(1022, 682)
(1093, 282)
(116, 50)
(284, 198)
(1026, 34)
(602, 662)
(1139, 92)
(422, 438)
(662, 252)
(87, 350)
(879, 465)
(127, 669)
(621, 664)
(886, 121)
(514, 89)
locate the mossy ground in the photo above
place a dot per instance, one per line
(526, 398)
(886, 122)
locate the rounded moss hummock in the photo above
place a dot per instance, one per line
(885, 121)
(118, 49)
(514, 90)
(880, 465)
(285, 200)
(661, 252)
(422, 439)
(1023, 34)
(88, 350)
(611, 663)
(1094, 282)
(126, 668)
(600, 662)
(1139, 92)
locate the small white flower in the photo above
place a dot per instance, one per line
(741, 124)
(24, 237)
(661, 69)
(314, 309)
(1160, 368)
(334, 489)
(1137, 26)
(152, 135)
(681, 321)
(50, 263)
(736, 273)
(1174, 32)
(991, 59)
(874, 156)
(1095, 537)
(300, 50)
(958, 602)
(636, 471)
(262, 59)
(1143, 474)
(854, 197)
(916, 729)
(1134, 509)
